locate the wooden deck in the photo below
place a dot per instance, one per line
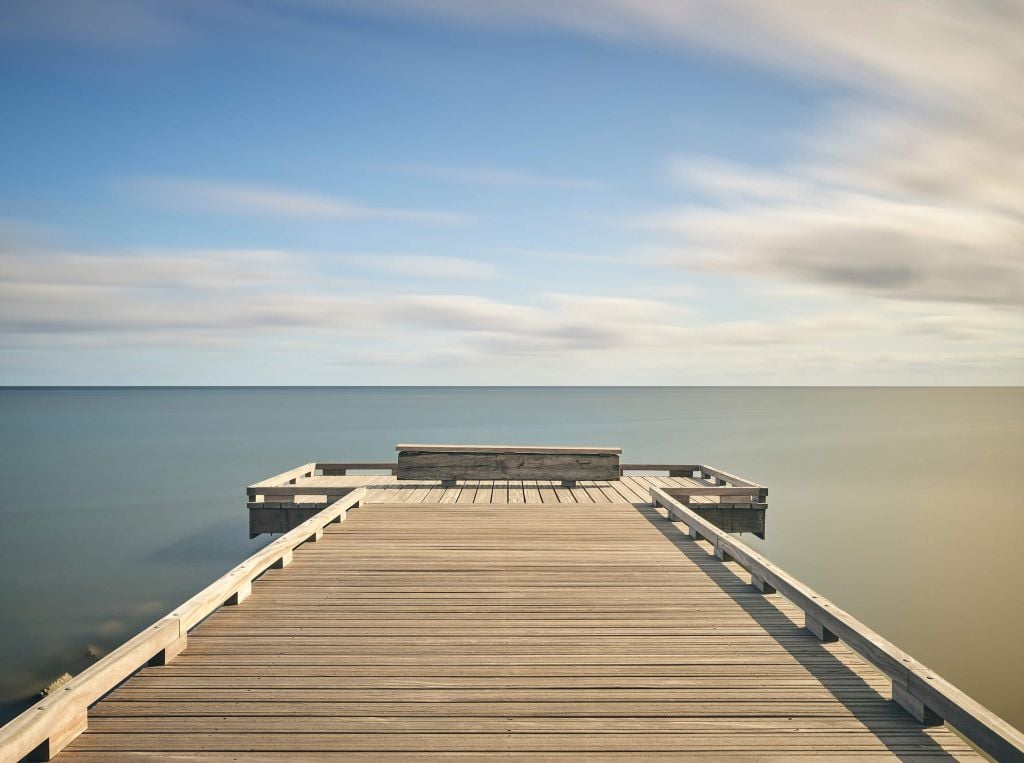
(389, 489)
(497, 620)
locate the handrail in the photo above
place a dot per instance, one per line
(922, 693)
(691, 470)
(52, 723)
(330, 469)
(284, 478)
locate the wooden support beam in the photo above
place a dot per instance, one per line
(169, 652)
(760, 584)
(64, 734)
(283, 561)
(722, 554)
(920, 712)
(820, 631)
(243, 593)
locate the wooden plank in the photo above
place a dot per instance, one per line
(468, 492)
(484, 491)
(516, 492)
(546, 488)
(531, 493)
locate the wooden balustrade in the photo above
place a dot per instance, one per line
(52, 723)
(926, 696)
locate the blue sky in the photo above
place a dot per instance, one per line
(403, 192)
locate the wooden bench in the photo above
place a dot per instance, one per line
(449, 463)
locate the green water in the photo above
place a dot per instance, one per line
(899, 504)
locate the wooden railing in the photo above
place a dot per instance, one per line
(927, 697)
(51, 724)
(703, 471)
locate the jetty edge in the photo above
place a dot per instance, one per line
(47, 727)
(583, 519)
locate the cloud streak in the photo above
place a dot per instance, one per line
(245, 199)
(235, 301)
(500, 177)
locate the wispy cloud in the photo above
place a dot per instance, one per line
(914, 191)
(499, 177)
(421, 266)
(69, 305)
(216, 196)
(854, 241)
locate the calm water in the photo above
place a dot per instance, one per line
(901, 505)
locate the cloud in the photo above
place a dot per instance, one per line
(499, 177)
(421, 266)
(214, 196)
(856, 242)
(249, 307)
(913, 191)
(146, 269)
(888, 45)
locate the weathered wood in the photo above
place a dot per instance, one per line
(913, 705)
(329, 469)
(818, 630)
(172, 650)
(525, 449)
(760, 584)
(734, 519)
(48, 726)
(562, 631)
(827, 621)
(500, 618)
(285, 514)
(490, 462)
(45, 728)
(305, 470)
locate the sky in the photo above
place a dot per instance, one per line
(664, 192)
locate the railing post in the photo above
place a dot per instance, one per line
(243, 593)
(73, 725)
(918, 709)
(761, 585)
(169, 652)
(823, 634)
(284, 561)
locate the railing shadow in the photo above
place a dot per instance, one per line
(833, 674)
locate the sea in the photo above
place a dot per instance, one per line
(901, 505)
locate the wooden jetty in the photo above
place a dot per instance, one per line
(501, 616)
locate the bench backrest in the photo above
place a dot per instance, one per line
(506, 462)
